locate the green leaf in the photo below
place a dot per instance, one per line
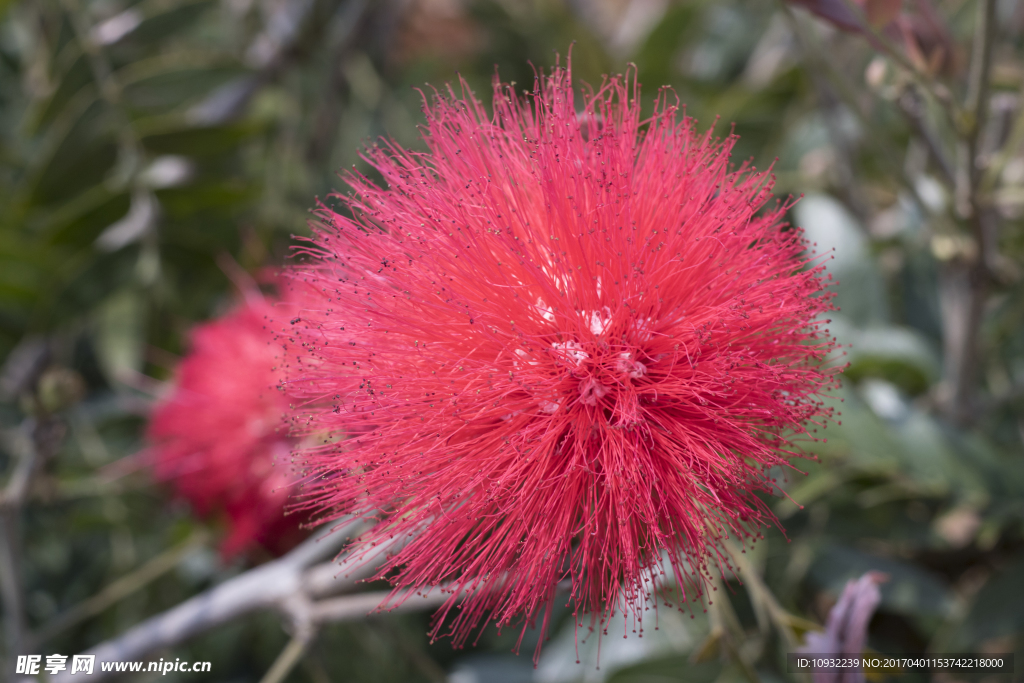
(840, 243)
(120, 334)
(677, 668)
(158, 27)
(198, 142)
(71, 83)
(170, 82)
(80, 159)
(900, 355)
(78, 223)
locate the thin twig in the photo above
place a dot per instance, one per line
(965, 280)
(10, 582)
(289, 657)
(350, 607)
(817, 59)
(264, 587)
(981, 60)
(725, 622)
(976, 108)
(913, 109)
(994, 170)
(29, 444)
(23, 443)
(360, 605)
(763, 599)
(287, 585)
(307, 617)
(925, 81)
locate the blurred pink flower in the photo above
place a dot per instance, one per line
(220, 437)
(579, 342)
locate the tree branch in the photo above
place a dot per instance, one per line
(290, 585)
(13, 497)
(976, 110)
(963, 289)
(925, 81)
(289, 657)
(33, 444)
(268, 586)
(821, 69)
(307, 617)
(913, 109)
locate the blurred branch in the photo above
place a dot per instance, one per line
(289, 657)
(280, 584)
(965, 276)
(119, 589)
(358, 606)
(29, 445)
(292, 585)
(102, 73)
(21, 444)
(64, 490)
(23, 366)
(727, 629)
(976, 107)
(766, 607)
(978, 82)
(913, 108)
(33, 443)
(822, 71)
(998, 163)
(925, 81)
(963, 288)
(307, 617)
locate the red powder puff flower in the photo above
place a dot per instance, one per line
(219, 433)
(577, 341)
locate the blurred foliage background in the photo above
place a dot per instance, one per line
(148, 145)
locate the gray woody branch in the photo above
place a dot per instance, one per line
(291, 585)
